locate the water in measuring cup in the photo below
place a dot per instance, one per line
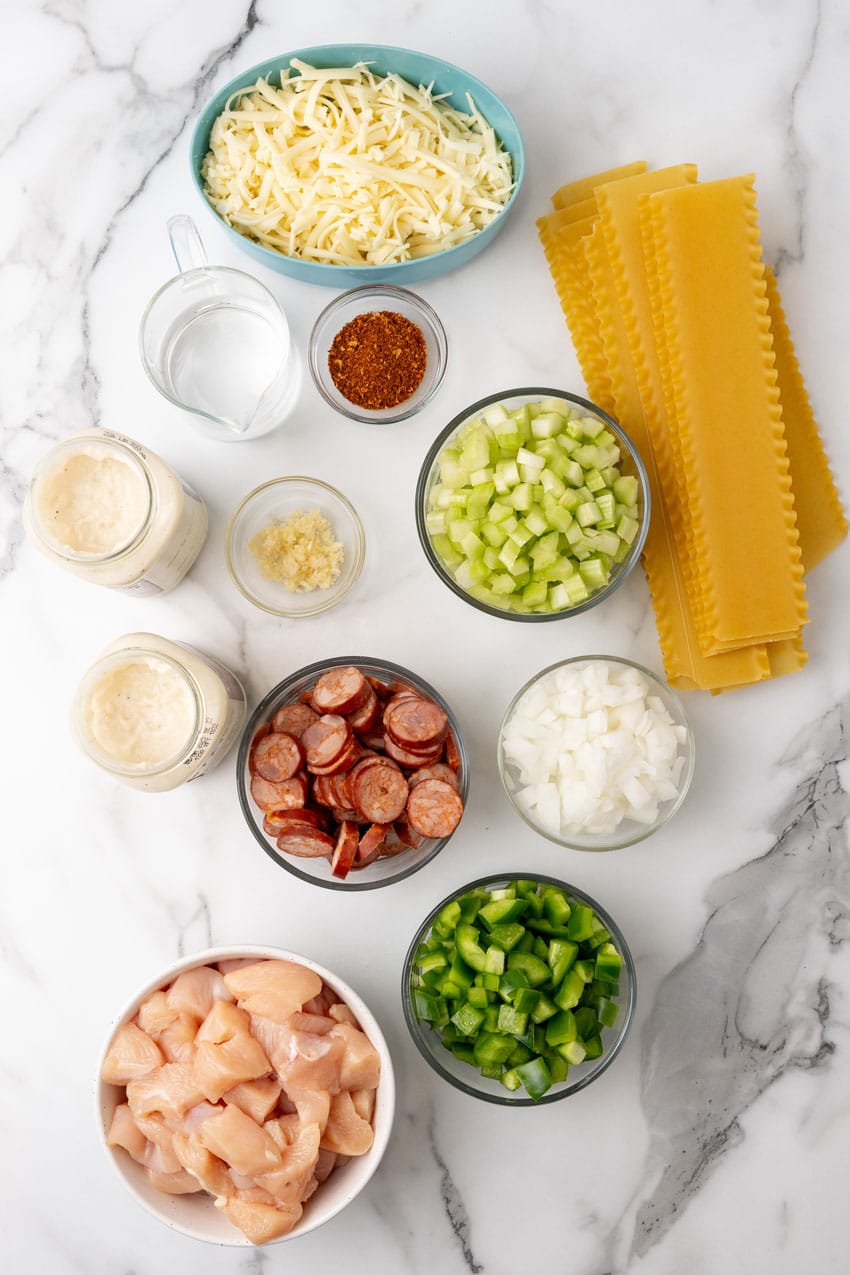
(223, 360)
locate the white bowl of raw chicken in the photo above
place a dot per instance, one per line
(197, 1214)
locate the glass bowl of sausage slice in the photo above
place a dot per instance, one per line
(352, 773)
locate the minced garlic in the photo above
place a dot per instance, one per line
(300, 552)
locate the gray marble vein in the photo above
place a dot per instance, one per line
(453, 1205)
(752, 1002)
(796, 156)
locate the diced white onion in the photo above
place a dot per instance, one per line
(591, 745)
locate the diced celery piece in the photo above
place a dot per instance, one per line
(556, 515)
(506, 476)
(483, 475)
(535, 521)
(576, 589)
(475, 452)
(545, 552)
(559, 598)
(610, 474)
(521, 571)
(594, 482)
(591, 426)
(627, 528)
(520, 497)
(606, 502)
(498, 511)
(547, 424)
(459, 528)
(626, 489)
(593, 573)
(509, 553)
(511, 523)
(496, 414)
(478, 500)
(446, 551)
(435, 522)
(605, 542)
(521, 536)
(493, 533)
(503, 583)
(491, 558)
(551, 483)
(588, 514)
(472, 546)
(532, 459)
(452, 473)
(573, 474)
(479, 572)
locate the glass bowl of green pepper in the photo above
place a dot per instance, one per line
(519, 990)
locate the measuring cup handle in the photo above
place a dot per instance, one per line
(186, 243)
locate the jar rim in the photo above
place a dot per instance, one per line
(48, 463)
(128, 655)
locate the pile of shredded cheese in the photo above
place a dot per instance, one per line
(300, 552)
(346, 167)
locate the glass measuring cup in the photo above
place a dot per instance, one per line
(215, 342)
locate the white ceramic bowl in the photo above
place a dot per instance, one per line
(196, 1215)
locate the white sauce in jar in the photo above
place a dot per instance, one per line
(107, 509)
(143, 712)
(93, 501)
(156, 714)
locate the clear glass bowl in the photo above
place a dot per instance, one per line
(385, 870)
(630, 464)
(629, 831)
(463, 1075)
(196, 1215)
(363, 301)
(272, 502)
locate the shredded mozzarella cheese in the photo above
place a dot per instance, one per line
(350, 168)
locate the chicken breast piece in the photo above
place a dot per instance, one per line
(257, 1098)
(132, 1054)
(240, 1142)
(169, 1091)
(124, 1132)
(195, 991)
(346, 1131)
(361, 1062)
(274, 989)
(262, 1222)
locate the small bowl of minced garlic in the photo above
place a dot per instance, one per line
(295, 546)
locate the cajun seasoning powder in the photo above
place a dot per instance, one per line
(378, 359)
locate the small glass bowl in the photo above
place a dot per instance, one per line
(629, 831)
(196, 1215)
(385, 870)
(272, 502)
(363, 301)
(630, 464)
(463, 1075)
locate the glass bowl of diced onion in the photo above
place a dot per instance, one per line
(532, 504)
(596, 753)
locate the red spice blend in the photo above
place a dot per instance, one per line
(377, 360)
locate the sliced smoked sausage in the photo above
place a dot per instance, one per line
(434, 808)
(340, 690)
(277, 757)
(379, 792)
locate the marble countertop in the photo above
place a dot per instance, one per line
(720, 1139)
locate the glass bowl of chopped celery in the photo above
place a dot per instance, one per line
(295, 546)
(532, 504)
(519, 991)
(596, 753)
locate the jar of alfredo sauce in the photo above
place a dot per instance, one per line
(156, 714)
(108, 509)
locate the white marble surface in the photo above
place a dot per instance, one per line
(719, 1140)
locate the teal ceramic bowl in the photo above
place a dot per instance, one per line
(418, 68)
